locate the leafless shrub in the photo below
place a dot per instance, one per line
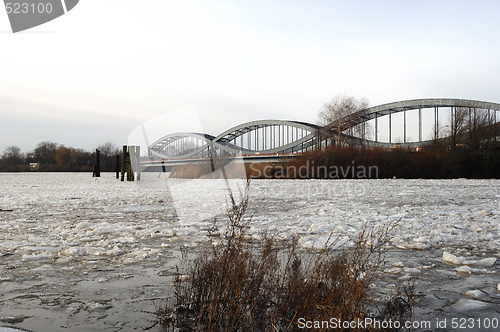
(240, 286)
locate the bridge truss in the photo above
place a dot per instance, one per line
(275, 137)
(252, 138)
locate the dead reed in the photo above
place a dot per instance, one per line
(273, 285)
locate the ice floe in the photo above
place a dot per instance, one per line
(475, 294)
(460, 260)
(470, 305)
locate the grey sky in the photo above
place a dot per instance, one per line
(98, 72)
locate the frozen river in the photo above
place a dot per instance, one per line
(80, 253)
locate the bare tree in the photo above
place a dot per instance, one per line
(109, 149)
(12, 156)
(337, 116)
(477, 124)
(435, 131)
(68, 156)
(469, 126)
(458, 121)
(45, 152)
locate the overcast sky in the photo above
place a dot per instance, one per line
(107, 66)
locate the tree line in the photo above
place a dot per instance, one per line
(433, 162)
(54, 157)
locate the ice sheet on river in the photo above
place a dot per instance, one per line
(61, 216)
(80, 248)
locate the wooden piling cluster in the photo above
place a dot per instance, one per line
(131, 163)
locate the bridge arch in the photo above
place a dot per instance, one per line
(286, 136)
(181, 145)
(266, 137)
(375, 112)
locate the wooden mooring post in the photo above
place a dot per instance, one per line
(131, 163)
(97, 164)
(130, 171)
(138, 162)
(117, 166)
(124, 162)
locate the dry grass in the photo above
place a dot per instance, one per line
(268, 286)
(221, 170)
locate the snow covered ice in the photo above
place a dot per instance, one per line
(102, 231)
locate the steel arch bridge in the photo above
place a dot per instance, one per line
(263, 137)
(374, 113)
(284, 137)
